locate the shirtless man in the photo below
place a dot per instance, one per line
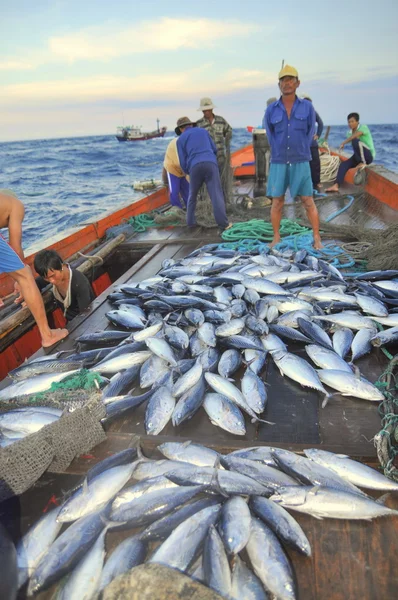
(12, 213)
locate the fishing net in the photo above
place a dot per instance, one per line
(386, 441)
(54, 446)
(157, 582)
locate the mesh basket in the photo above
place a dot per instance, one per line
(53, 447)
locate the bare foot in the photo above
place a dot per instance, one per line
(333, 188)
(276, 240)
(55, 336)
(317, 243)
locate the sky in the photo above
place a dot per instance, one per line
(83, 67)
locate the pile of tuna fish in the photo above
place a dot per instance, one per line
(183, 334)
(221, 519)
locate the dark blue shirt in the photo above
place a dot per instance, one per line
(290, 139)
(194, 146)
(319, 130)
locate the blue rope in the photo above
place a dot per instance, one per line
(341, 210)
(329, 252)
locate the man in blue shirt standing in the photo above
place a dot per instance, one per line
(197, 154)
(290, 126)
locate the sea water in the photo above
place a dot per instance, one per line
(69, 181)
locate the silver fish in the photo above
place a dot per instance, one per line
(118, 363)
(35, 543)
(206, 334)
(361, 344)
(137, 490)
(233, 327)
(26, 421)
(270, 477)
(254, 391)
(95, 494)
(224, 413)
(151, 370)
(254, 359)
(84, 581)
(269, 562)
(323, 502)
(350, 385)
(180, 548)
(33, 385)
(298, 369)
(308, 472)
(66, 552)
(235, 524)
(263, 286)
(371, 305)
(351, 470)
(289, 319)
(348, 319)
(159, 410)
(128, 554)
(342, 340)
(226, 388)
(245, 584)
(162, 349)
(282, 523)
(385, 337)
(151, 331)
(215, 564)
(189, 452)
(148, 508)
(230, 362)
(188, 380)
(326, 359)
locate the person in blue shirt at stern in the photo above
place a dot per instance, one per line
(197, 154)
(290, 126)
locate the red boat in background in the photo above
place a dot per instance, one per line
(135, 134)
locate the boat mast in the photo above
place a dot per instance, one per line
(157, 121)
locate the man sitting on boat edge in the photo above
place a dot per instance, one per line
(362, 145)
(12, 212)
(71, 289)
(197, 153)
(290, 126)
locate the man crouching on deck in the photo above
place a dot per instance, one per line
(290, 126)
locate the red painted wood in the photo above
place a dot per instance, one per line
(101, 283)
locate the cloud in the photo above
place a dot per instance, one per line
(167, 34)
(15, 65)
(143, 87)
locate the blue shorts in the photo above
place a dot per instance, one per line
(295, 176)
(9, 259)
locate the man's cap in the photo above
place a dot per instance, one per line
(288, 71)
(183, 122)
(206, 104)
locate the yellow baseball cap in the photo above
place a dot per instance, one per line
(288, 71)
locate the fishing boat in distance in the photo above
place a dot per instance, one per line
(135, 134)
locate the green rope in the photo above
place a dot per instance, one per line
(83, 380)
(142, 222)
(258, 229)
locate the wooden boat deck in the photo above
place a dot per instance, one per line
(350, 559)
